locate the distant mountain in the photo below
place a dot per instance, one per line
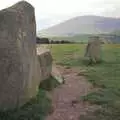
(84, 25)
(116, 32)
(84, 38)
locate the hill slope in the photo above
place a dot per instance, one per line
(84, 25)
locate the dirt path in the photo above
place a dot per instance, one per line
(64, 97)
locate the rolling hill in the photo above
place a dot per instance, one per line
(83, 25)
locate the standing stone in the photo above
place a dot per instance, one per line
(45, 60)
(93, 50)
(19, 67)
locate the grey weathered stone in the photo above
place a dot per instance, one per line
(45, 60)
(19, 67)
(93, 49)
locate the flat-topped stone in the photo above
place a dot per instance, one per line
(45, 61)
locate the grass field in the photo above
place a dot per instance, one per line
(75, 38)
(105, 76)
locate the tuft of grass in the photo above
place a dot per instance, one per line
(103, 96)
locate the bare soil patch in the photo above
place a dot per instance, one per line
(66, 98)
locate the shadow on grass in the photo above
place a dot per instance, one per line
(49, 84)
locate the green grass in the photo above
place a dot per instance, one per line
(37, 108)
(66, 54)
(105, 76)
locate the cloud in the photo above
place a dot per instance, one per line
(50, 12)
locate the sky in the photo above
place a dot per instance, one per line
(51, 12)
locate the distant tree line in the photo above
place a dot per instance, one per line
(47, 41)
(42, 40)
(61, 42)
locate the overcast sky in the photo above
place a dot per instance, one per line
(50, 12)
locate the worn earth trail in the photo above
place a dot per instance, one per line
(65, 98)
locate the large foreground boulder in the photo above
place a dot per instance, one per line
(19, 67)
